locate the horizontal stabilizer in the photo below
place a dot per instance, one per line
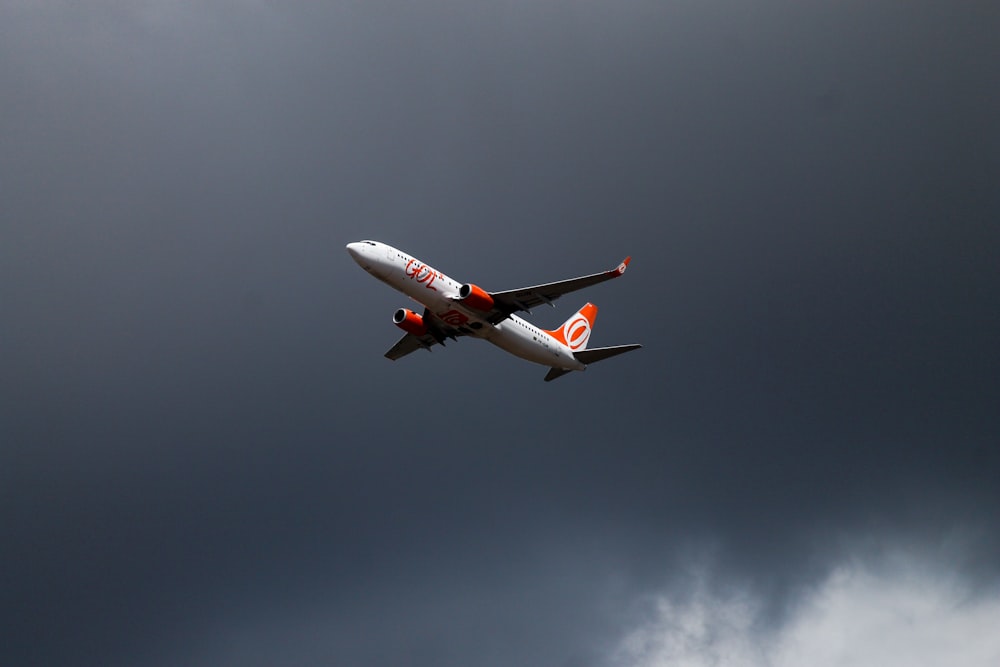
(555, 373)
(592, 356)
(598, 353)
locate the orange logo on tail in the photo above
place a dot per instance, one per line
(577, 332)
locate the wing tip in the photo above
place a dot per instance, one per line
(620, 269)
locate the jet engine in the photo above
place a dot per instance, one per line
(475, 297)
(409, 321)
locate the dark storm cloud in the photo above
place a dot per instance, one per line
(205, 458)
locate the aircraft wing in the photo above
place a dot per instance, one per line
(437, 331)
(527, 298)
(409, 343)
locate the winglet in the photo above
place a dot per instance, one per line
(620, 269)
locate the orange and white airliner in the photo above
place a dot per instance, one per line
(452, 309)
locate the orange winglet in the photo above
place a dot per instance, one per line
(620, 269)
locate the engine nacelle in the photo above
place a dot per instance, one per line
(475, 297)
(409, 321)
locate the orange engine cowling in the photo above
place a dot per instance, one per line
(409, 321)
(475, 297)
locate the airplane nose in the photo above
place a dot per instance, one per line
(362, 254)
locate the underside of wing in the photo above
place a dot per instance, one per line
(527, 298)
(437, 332)
(409, 343)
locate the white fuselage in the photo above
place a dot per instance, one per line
(439, 294)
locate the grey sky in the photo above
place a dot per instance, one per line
(204, 458)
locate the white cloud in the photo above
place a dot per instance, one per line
(896, 613)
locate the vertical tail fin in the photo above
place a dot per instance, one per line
(575, 332)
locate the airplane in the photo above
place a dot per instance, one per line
(452, 310)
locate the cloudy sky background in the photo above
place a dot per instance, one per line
(204, 458)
